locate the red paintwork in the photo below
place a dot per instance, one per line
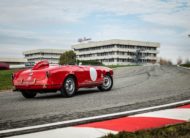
(132, 124)
(45, 77)
(184, 106)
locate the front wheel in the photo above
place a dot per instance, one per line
(107, 83)
(69, 87)
(28, 94)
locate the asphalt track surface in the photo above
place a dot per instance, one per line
(134, 87)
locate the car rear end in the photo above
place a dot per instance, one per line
(34, 80)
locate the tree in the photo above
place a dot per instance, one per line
(169, 62)
(90, 62)
(68, 57)
(165, 62)
(179, 61)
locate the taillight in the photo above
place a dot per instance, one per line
(48, 74)
(12, 76)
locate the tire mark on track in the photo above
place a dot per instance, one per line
(136, 83)
(147, 73)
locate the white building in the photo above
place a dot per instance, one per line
(118, 52)
(52, 55)
(14, 62)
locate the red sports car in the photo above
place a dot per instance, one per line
(68, 79)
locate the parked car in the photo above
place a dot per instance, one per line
(68, 79)
(4, 66)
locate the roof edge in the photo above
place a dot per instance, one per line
(115, 41)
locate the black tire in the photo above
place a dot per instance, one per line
(107, 84)
(69, 87)
(28, 94)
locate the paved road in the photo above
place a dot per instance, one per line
(134, 87)
(138, 122)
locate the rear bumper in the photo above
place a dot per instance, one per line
(38, 87)
(35, 85)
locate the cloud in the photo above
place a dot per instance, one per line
(40, 12)
(173, 44)
(7, 39)
(179, 19)
(111, 31)
(57, 24)
(63, 11)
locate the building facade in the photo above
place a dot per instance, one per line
(14, 62)
(52, 55)
(118, 52)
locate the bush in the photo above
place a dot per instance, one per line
(185, 65)
(89, 62)
(165, 62)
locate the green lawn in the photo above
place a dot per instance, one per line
(175, 131)
(5, 79)
(116, 66)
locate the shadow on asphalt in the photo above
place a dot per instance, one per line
(58, 95)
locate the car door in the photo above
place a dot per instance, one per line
(91, 75)
(82, 73)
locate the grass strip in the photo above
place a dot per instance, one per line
(174, 131)
(5, 79)
(185, 65)
(116, 66)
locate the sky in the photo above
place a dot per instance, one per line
(37, 24)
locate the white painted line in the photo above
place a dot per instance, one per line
(94, 117)
(177, 114)
(69, 132)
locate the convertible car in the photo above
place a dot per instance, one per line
(68, 79)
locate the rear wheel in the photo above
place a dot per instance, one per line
(69, 87)
(28, 94)
(107, 84)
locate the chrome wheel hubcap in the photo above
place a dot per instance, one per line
(70, 86)
(107, 82)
